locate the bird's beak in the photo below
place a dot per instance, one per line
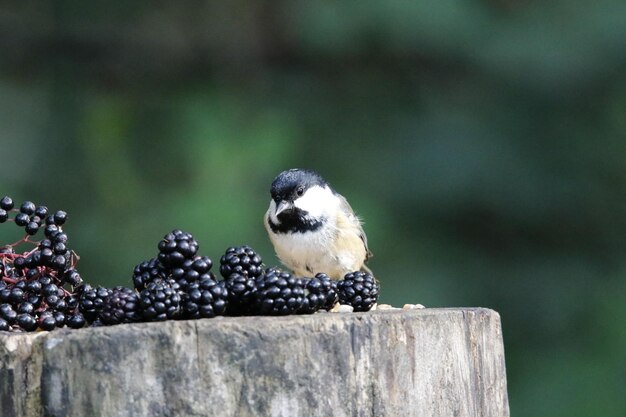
(282, 206)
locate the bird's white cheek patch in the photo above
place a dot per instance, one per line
(317, 201)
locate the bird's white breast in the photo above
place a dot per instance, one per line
(327, 249)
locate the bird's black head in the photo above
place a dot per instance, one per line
(291, 184)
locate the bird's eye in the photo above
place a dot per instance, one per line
(300, 191)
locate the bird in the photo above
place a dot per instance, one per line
(313, 228)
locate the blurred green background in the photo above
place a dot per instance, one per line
(483, 142)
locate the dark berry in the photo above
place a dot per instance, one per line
(205, 299)
(16, 295)
(60, 248)
(243, 260)
(241, 293)
(59, 262)
(75, 321)
(46, 243)
(278, 293)
(47, 321)
(45, 280)
(49, 230)
(32, 228)
(35, 300)
(34, 287)
(358, 289)
(4, 325)
(4, 216)
(22, 219)
(50, 289)
(41, 211)
(60, 217)
(25, 308)
(91, 301)
(320, 293)
(6, 203)
(161, 300)
(59, 316)
(19, 263)
(27, 322)
(52, 300)
(72, 302)
(147, 272)
(61, 304)
(28, 208)
(8, 313)
(46, 255)
(121, 306)
(73, 278)
(175, 247)
(193, 270)
(59, 238)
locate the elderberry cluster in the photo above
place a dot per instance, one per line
(39, 285)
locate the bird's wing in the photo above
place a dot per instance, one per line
(345, 206)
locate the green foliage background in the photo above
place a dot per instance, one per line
(483, 143)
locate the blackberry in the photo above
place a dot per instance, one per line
(278, 293)
(205, 298)
(243, 260)
(320, 293)
(147, 272)
(241, 293)
(193, 270)
(161, 300)
(175, 247)
(121, 306)
(358, 289)
(91, 301)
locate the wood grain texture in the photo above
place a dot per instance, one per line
(431, 362)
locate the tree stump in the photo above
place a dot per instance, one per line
(430, 362)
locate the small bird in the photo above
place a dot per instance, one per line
(313, 228)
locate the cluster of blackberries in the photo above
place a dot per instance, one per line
(255, 291)
(39, 286)
(178, 284)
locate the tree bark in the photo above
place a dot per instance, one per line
(431, 362)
